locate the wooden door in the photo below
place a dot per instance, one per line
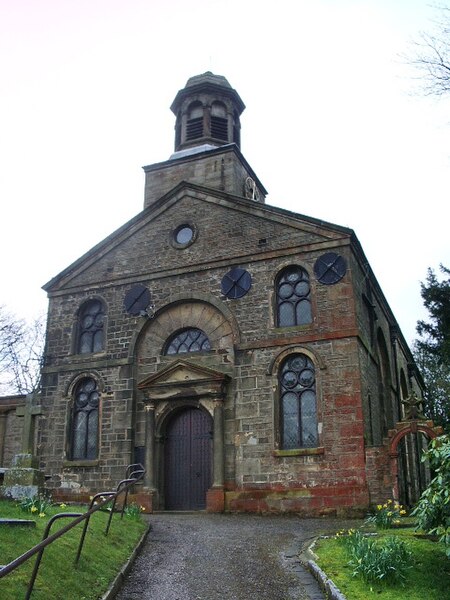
(187, 460)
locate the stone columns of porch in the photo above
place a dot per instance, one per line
(215, 498)
(218, 446)
(149, 479)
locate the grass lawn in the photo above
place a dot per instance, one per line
(100, 561)
(429, 579)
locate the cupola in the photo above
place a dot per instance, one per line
(207, 113)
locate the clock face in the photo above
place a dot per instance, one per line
(250, 189)
(330, 268)
(236, 283)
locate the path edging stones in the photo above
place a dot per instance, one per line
(118, 580)
(327, 584)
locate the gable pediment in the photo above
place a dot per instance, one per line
(184, 379)
(142, 245)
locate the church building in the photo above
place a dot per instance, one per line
(245, 354)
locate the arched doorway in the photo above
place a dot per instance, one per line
(396, 436)
(188, 459)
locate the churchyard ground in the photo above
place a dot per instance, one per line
(101, 559)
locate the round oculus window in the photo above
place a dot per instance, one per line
(184, 235)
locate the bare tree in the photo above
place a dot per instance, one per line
(21, 353)
(432, 55)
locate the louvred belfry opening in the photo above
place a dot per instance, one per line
(207, 111)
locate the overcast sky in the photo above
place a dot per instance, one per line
(335, 126)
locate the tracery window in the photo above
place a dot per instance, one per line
(298, 406)
(91, 327)
(187, 340)
(84, 429)
(293, 297)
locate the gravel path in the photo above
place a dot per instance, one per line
(198, 556)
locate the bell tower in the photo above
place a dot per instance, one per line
(207, 143)
(207, 111)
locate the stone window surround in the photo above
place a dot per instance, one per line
(76, 328)
(273, 371)
(273, 299)
(69, 398)
(276, 296)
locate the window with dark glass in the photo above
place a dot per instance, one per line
(298, 405)
(188, 340)
(84, 443)
(293, 297)
(91, 327)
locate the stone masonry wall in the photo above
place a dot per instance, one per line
(246, 344)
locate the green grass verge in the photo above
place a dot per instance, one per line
(428, 579)
(101, 559)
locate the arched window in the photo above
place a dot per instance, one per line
(219, 121)
(90, 327)
(194, 125)
(187, 340)
(293, 296)
(84, 430)
(298, 406)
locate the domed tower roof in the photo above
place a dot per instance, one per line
(207, 111)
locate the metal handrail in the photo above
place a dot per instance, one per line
(136, 471)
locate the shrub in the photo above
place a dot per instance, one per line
(386, 515)
(387, 560)
(432, 512)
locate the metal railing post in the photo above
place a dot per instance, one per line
(134, 473)
(41, 551)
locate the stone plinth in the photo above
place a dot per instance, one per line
(23, 479)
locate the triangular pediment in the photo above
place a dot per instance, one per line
(247, 228)
(185, 374)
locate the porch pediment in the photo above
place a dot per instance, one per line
(183, 379)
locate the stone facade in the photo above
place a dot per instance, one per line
(351, 340)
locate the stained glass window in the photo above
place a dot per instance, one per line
(85, 420)
(298, 403)
(293, 297)
(187, 340)
(91, 327)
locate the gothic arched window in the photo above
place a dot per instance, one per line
(91, 327)
(187, 340)
(293, 297)
(84, 425)
(298, 406)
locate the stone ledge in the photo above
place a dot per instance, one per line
(67, 464)
(299, 452)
